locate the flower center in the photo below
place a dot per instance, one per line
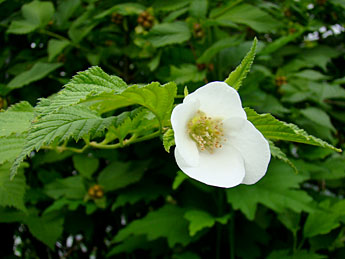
(206, 132)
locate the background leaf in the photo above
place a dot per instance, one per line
(167, 222)
(37, 72)
(168, 33)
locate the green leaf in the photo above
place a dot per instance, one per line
(239, 74)
(274, 129)
(325, 219)
(85, 165)
(170, 5)
(16, 119)
(175, 14)
(186, 73)
(319, 117)
(277, 153)
(198, 8)
(37, 72)
(83, 25)
(55, 47)
(60, 203)
(21, 27)
(291, 220)
(10, 147)
(278, 190)
(69, 122)
(71, 187)
(251, 16)
(159, 99)
(139, 121)
(338, 2)
(216, 47)
(123, 9)
(179, 179)
(164, 34)
(12, 192)
(319, 56)
(311, 75)
(299, 254)
(47, 228)
(200, 219)
(146, 192)
(281, 42)
(119, 174)
(129, 245)
(65, 11)
(89, 82)
(168, 222)
(36, 14)
(168, 140)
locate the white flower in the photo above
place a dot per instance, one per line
(215, 143)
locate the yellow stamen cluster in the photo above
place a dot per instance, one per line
(206, 132)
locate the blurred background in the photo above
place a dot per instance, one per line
(62, 207)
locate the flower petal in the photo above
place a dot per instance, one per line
(218, 100)
(224, 168)
(254, 148)
(180, 116)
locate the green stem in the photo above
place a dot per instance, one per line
(232, 234)
(63, 148)
(103, 145)
(294, 248)
(54, 35)
(219, 203)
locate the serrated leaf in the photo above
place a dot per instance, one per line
(164, 34)
(239, 74)
(69, 122)
(277, 153)
(278, 190)
(274, 129)
(119, 174)
(157, 98)
(200, 219)
(37, 72)
(12, 192)
(36, 14)
(89, 82)
(167, 222)
(10, 147)
(168, 140)
(16, 119)
(138, 121)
